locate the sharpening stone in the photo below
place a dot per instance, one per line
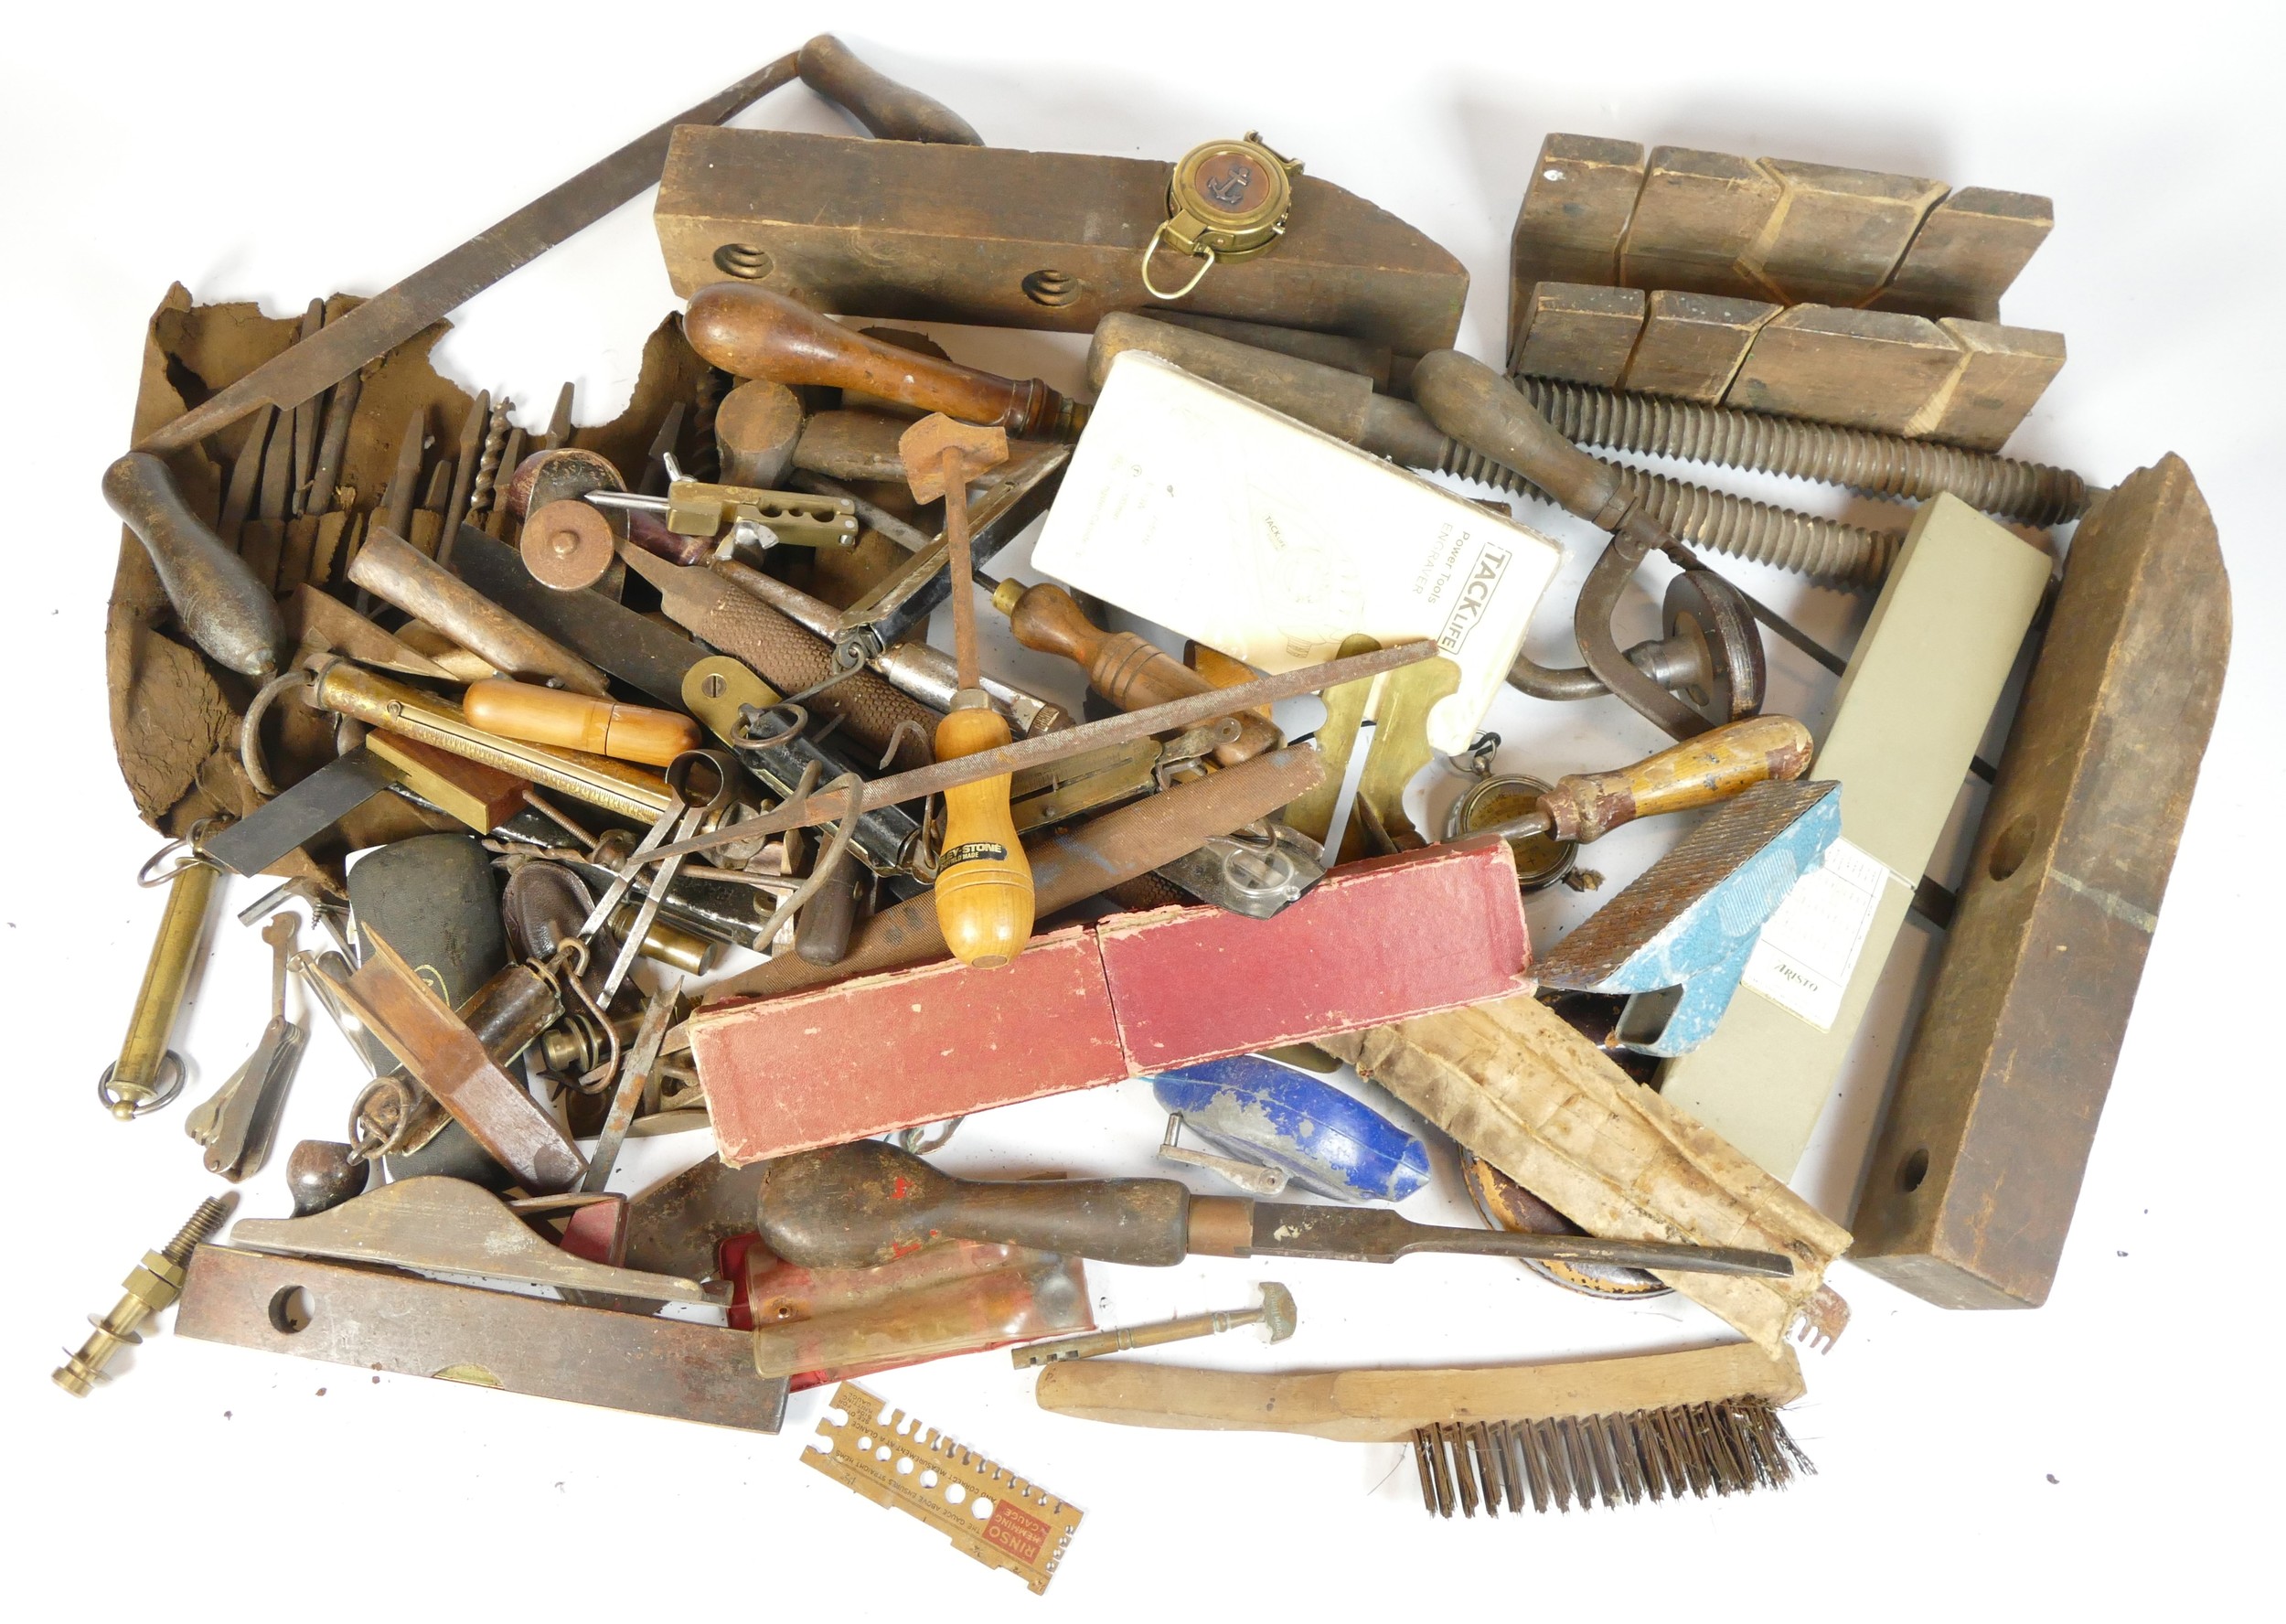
(1914, 705)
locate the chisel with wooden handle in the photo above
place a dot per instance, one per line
(1120, 666)
(752, 332)
(861, 1206)
(1698, 771)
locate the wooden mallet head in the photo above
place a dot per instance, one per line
(923, 446)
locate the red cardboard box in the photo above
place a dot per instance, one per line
(1376, 942)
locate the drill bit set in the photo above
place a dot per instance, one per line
(622, 793)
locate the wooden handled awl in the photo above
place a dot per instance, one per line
(217, 601)
(983, 888)
(859, 1205)
(750, 331)
(1698, 771)
(1120, 666)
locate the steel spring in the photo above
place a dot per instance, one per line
(1824, 549)
(1879, 464)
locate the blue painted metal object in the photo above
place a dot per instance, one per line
(1324, 1141)
(1678, 939)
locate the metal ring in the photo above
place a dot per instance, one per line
(249, 734)
(1463, 820)
(148, 880)
(741, 731)
(170, 1085)
(368, 1138)
(1152, 247)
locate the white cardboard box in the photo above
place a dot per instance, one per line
(1198, 510)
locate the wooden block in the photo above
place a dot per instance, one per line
(1416, 932)
(1836, 234)
(1691, 343)
(1966, 253)
(887, 1052)
(2001, 376)
(1582, 335)
(1978, 1167)
(1698, 215)
(1575, 212)
(482, 797)
(1913, 706)
(1002, 238)
(1863, 368)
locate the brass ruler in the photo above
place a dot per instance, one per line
(985, 1511)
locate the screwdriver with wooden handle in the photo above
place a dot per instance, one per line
(984, 889)
(864, 1204)
(752, 332)
(1715, 766)
(1120, 666)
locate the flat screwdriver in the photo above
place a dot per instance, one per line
(863, 1204)
(983, 888)
(1715, 766)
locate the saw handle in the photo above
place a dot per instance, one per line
(1127, 670)
(750, 331)
(1698, 771)
(864, 1204)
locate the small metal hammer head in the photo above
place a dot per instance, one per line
(1278, 1316)
(923, 446)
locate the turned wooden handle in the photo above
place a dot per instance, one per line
(1127, 670)
(216, 599)
(984, 890)
(752, 332)
(866, 1203)
(1698, 771)
(574, 722)
(886, 109)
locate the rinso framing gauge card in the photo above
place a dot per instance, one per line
(1271, 542)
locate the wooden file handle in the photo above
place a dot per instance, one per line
(1698, 771)
(1127, 670)
(574, 722)
(984, 890)
(752, 332)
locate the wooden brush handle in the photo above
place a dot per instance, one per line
(1385, 1406)
(1698, 771)
(1127, 670)
(984, 890)
(750, 331)
(574, 722)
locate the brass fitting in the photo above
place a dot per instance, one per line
(154, 1284)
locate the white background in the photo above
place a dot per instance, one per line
(2113, 1452)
